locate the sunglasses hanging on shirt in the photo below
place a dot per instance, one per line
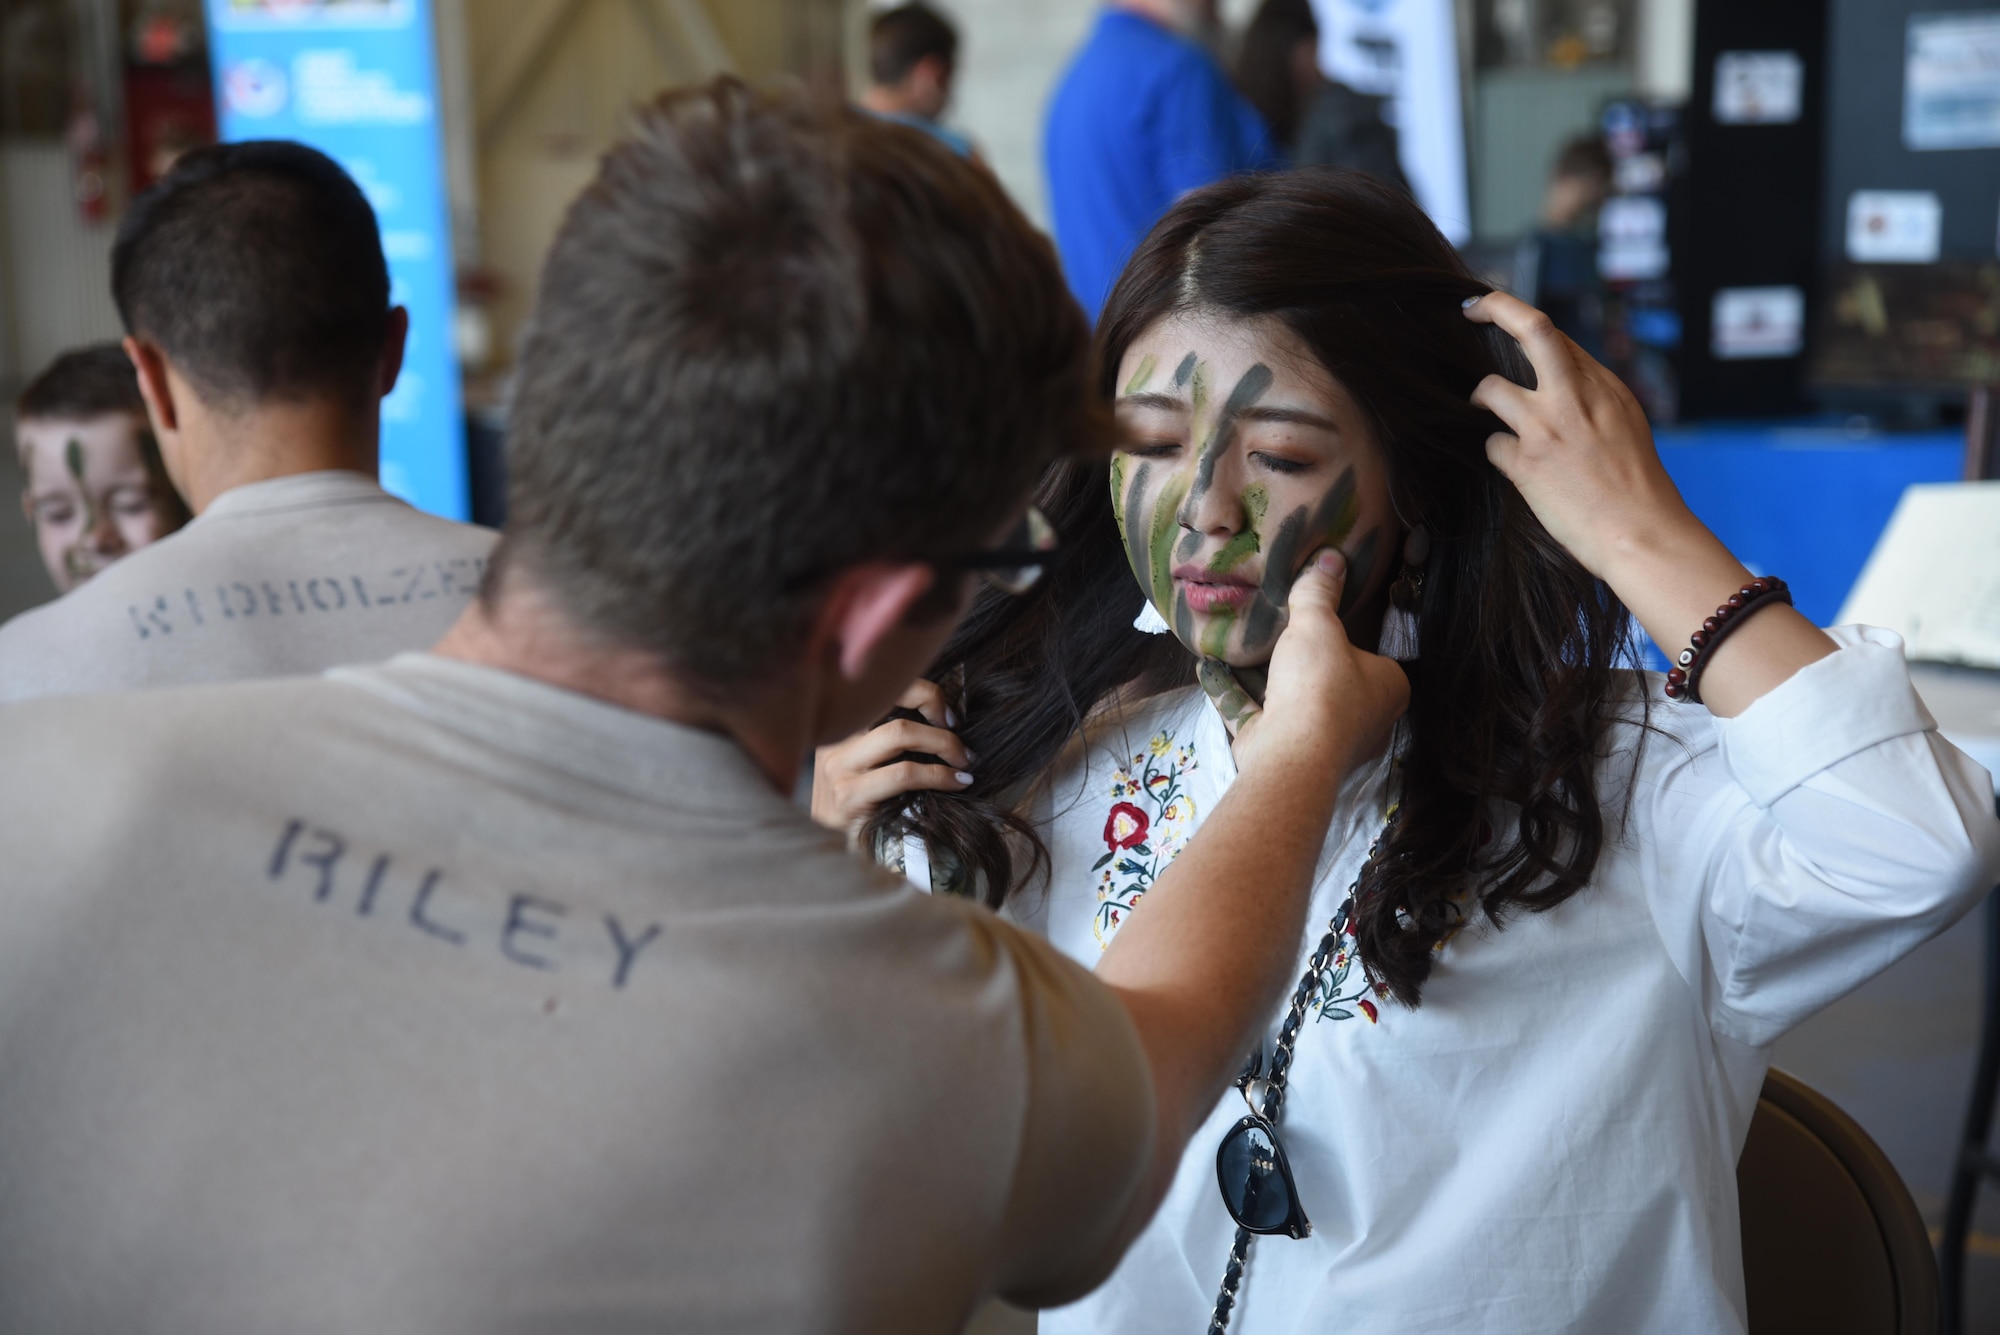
(1251, 1167)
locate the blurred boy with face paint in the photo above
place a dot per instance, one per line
(95, 487)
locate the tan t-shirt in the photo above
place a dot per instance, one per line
(279, 578)
(426, 998)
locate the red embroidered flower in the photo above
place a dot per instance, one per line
(1125, 827)
(1368, 1008)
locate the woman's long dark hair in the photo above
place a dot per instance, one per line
(1514, 688)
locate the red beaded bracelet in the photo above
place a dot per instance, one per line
(1684, 681)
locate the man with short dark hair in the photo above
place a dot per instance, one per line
(502, 987)
(256, 306)
(912, 59)
(96, 489)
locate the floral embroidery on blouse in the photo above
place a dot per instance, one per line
(1331, 1002)
(1150, 819)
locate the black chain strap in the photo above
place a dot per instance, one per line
(1281, 1065)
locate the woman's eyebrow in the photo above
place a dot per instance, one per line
(1271, 412)
(1172, 403)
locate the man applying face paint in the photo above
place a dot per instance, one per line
(1220, 505)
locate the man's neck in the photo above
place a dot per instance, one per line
(273, 441)
(522, 631)
(887, 102)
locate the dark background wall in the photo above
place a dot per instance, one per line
(1864, 131)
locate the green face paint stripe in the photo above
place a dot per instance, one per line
(1184, 370)
(1215, 636)
(1118, 490)
(1360, 567)
(1198, 390)
(1131, 514)
(1256, 501)
(1160, 541)
(1144, 375)
(73, 460)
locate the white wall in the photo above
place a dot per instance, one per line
(57, 284)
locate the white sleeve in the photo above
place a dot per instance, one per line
(1830, 832)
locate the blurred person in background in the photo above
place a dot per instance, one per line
(1143, 115)
(912, 58)
(1316, 121)
(1555, 266)
(255, 299)
(95, 487)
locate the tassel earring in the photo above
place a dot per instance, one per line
(1406, 596)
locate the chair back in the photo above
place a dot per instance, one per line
(1832, 1242)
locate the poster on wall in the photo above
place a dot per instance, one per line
(1951, 81)
(1758, 87)
(1407, 51)
(357, 80)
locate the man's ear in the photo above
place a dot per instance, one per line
(392, 349)
(154, 387)
(865, 604)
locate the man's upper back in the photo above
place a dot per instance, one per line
(1142, 116)
(278, 578)
(429, 998)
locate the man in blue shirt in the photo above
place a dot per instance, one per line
(1143, 115)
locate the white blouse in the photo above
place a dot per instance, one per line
(1549, 1142)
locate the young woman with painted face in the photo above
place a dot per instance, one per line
(1532, 1037)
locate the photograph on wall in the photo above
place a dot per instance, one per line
(1951, 82)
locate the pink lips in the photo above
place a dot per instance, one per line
(1211, 591)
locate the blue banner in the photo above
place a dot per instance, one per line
(357, 80)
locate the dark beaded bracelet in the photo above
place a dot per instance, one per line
(1684, 680)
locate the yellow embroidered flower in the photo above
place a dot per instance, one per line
(1160, 744)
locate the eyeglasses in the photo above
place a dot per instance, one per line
(1014, 567)
(1256, 1178)
(1017, 564)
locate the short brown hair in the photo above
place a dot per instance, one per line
(93, 381)
(774, 338)
(898, 38)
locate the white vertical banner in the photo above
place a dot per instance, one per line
(1407, 51)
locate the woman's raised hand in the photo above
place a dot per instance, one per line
(1577, 445)
(1579, 449)
(852, 778)
(1326, 703)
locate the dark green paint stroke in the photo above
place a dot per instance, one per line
(1184, 370)
(1248, 390)
(1189, 543)
(1183, 621)
(1327, 526)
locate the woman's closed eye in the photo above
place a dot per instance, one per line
(1153, 449)
(1277, 463)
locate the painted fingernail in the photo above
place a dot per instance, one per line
(950, 717)
(972, 757)
(1470, 302)
(964, 778)
(1330, 562)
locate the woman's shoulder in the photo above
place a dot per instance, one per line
(1127, 743)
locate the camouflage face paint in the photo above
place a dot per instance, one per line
(1184, 370)
(1256, 501)
(1248, 390)
(1143, 376)
(1325, 525)
(80, 561)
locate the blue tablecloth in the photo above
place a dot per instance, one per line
(1804, 502)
